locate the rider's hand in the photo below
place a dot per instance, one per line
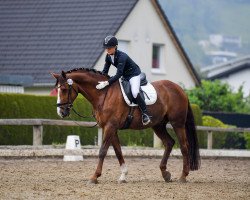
(102, 84)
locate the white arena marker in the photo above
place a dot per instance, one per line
(73, 143)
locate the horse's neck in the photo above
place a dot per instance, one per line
(87, 87)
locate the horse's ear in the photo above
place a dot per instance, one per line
(63, 74)
(54, 75)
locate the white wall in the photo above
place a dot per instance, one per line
(142, 28)
(237, 79)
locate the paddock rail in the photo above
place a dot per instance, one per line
(39, 123)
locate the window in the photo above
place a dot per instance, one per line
(123, 45)
(158, 58)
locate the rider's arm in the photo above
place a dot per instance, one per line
(120, 69)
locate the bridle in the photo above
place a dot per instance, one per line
(69, 103)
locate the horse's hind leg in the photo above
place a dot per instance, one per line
(168, 142)
(181, 134)
(118, 152)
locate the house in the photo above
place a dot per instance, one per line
(39, 37)
(221, 56)
(234, 72)
(221, 48)
(223, 41)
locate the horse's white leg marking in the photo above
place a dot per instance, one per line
(58, 101)
(124, 171)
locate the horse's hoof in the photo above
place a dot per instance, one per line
(92, 182)
(167, 176)
(122, 181)
(182, 180)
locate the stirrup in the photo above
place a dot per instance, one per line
(148, 119)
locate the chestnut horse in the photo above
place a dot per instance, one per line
(111, 111)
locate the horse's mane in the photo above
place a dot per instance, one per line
(88, 70)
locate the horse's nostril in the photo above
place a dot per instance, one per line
(65, 112)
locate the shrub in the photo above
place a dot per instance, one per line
(197, 114)
(218, 96)
(224, 140)
(29, 106)
(247, 139)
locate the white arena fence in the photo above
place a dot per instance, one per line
(39, 123)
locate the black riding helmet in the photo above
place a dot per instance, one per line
(110, 41)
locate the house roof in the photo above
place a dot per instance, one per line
(227, 68)
(22, 80)
(38, 37)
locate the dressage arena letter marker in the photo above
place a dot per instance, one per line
(73, 143)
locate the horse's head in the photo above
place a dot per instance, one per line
(67, 93)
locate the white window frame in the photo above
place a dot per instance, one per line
(123, 45)
(161, 69)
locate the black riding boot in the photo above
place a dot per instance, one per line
(142, 105)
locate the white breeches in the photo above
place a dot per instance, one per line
(135, 85)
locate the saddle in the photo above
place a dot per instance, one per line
(147, 91)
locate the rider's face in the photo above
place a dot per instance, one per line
(111, 50)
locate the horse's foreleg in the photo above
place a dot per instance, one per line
(168, 142)
(118, 152)
(107, 138)
(181, 134)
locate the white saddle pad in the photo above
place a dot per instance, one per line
(150, 98)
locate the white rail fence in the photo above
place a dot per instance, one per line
(39, 123)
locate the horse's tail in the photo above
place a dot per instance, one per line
(194, 154)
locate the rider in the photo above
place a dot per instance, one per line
(127, 68)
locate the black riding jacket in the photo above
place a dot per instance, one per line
(126, 67)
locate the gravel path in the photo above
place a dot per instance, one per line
(55, 179)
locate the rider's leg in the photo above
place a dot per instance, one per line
(135, 85)
(142, 105)
(135, 88)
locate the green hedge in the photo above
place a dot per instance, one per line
(30, 106)
(247, 139)
(225, 140)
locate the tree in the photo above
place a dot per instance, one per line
(218, 96)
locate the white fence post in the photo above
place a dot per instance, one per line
(209, 140)
(37, 135)
(157, 142)
(99, 137)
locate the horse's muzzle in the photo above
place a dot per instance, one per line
(65, 112)
(63, 109)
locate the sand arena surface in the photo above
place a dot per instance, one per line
(55, 179)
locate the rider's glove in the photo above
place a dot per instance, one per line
(102, 84)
